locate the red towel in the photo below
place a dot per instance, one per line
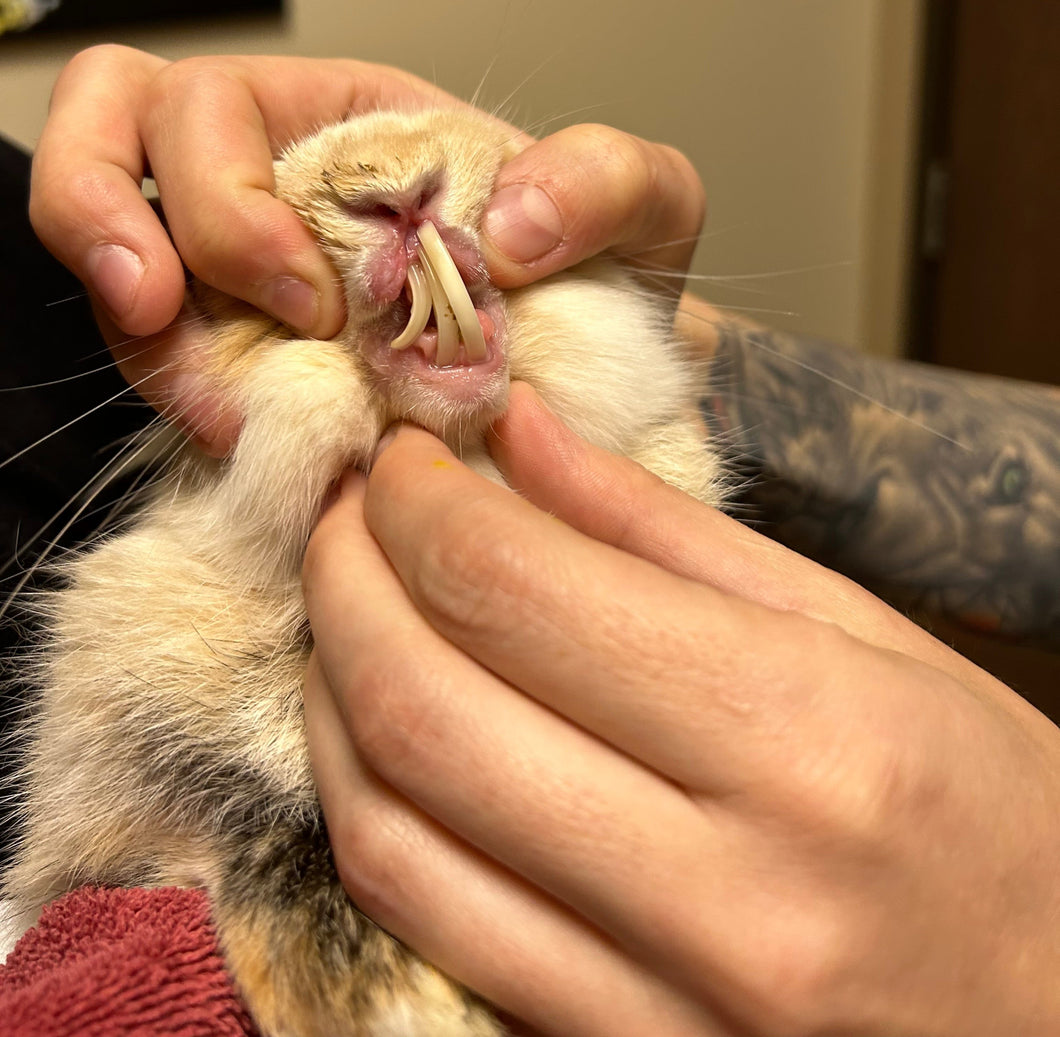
(129, 962)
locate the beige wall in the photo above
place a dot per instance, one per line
(796, 112)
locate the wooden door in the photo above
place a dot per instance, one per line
(989, 269)
(986, 285)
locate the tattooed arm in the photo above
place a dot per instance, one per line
(938, 489)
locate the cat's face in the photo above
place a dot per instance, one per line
(374, 190)
(366, 188)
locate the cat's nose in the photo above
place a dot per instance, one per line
(426, 202)
(406, 209)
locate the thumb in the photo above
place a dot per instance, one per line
(589, 188)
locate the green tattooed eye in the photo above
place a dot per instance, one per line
(1011, 483)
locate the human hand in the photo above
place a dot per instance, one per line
(207, 128)
(624, 766)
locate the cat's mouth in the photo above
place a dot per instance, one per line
(444, 324)
(437, 345)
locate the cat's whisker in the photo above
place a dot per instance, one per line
(658, 285)
(661, 271)
(185, 322)
(536, 70)
(66, 299)
(700, 238)
(660, 276)
(125, 391)
(674, 294)
(660, 246)
(843, 264)
(91, 371)
(764, 309)
(58, 381)
(78, 296)
(535, 128)
(757, 341)
(474, 101)
(139, 444)
(62, 428)
(158, 429)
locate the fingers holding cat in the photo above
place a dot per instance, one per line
(381, 832)
(588, 188)
(754, 812)
(206, 130)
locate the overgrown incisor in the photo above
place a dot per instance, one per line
(168, 748)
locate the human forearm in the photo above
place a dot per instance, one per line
(936, 487)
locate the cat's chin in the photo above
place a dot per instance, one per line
(455, 403)
(465, 392)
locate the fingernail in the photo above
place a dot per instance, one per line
(523, 222)
(293, 300)
(115, 273)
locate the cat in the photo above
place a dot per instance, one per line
(167, 747)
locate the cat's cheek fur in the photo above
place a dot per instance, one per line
(602, 354)
(309, 414)
(169, 746)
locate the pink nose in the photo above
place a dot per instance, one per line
(401, 213)
(403, 210)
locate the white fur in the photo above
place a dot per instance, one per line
(189, 628)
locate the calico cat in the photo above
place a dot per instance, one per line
(168, 746)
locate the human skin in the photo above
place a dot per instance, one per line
(934, 487)
(625, 766)
(207, 129)
(874, 860)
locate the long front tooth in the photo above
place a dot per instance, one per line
(448, 329)
(433, 249)
(421, 307)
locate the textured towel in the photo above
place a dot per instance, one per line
(129, 962)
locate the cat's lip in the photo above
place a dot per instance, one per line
(385, 277)
(419, 360)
